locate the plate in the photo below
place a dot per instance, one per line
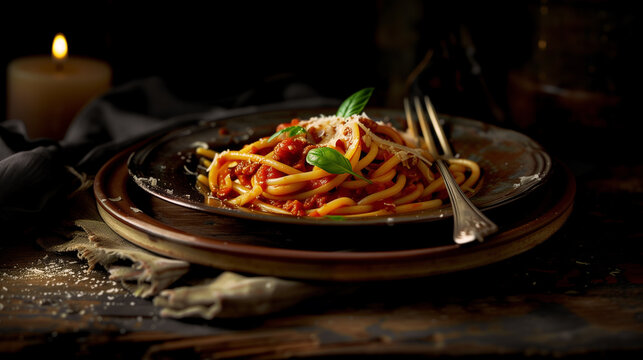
(513, 165)
(325, 253)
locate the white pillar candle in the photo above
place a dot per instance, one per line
(46, 92)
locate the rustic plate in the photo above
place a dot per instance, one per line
(513, 164)
(355, 253)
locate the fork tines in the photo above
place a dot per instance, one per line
(426, 131)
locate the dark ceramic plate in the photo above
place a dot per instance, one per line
(513, 165)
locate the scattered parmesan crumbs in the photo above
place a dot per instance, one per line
(526, 180)
(151, 180)
(61, 287)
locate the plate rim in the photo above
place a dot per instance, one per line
(440, 214)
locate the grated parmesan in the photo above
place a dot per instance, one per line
(331, 128)
(526, 180)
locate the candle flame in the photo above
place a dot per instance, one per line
(59, 47)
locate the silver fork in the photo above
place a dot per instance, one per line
(469, 223)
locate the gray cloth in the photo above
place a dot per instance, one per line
(34, 173)
(39, 177)
(148, 275)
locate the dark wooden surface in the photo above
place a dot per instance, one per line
(579, 294)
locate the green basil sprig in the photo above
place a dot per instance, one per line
(355, 103)
(332, 161)
(290, 131)
(335, 217)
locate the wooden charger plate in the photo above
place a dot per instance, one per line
(356, 253)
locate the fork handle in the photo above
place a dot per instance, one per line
(469, 222)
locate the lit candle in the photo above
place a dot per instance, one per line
(46, 92)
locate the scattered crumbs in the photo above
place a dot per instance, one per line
(136, 210)
(527, 179)
(189, 172)
(118, 198)
(151, 180)
(581, 262)
(199, 144)
(169, 191)
(56, 279)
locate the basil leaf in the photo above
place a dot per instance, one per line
(335, 217)
(355, 103)
(289, 131)
(332, 161)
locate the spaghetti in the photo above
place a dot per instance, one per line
(330, 166)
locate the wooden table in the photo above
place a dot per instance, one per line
(580, 293)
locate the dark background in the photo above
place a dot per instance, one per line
(579, 84)
(563, 71)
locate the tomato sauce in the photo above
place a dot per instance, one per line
(244, 171)
(295, 207)
(292, 122)
(266, 172)
(223, 191)
(290, 150)
(314, 184)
